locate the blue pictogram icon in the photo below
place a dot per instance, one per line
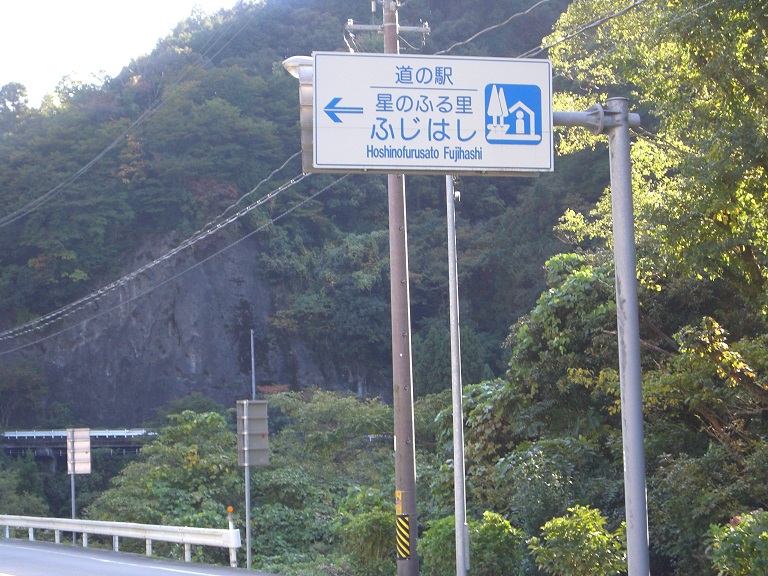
(513, 114)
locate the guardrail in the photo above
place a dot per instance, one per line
(221, 538)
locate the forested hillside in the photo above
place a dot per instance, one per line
(102, 179)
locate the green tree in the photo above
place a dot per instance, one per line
(22, 393)
(337, 298)
(329, 426)
(580, 545)
(187, 476)
(13, 104)
(21, 490)
(196, 402)
(432, 358)
(699, 172)
(331, 468)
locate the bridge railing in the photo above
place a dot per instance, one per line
(222, 538)
(47, 434)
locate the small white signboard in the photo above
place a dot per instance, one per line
(397, 113)
(78, 450)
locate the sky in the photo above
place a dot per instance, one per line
(42, 41)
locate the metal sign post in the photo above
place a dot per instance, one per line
(629, 339)
(78, 461)
(459, 492)
(385, 111)
(252, 449)
(615, 121)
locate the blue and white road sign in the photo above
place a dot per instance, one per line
(397, 113)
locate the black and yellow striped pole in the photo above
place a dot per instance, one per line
(403, 537)
(402, 530)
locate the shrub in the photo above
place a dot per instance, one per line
(496, 548)
(740, 548)
(369, 538)
(578, 544)
(437, 547)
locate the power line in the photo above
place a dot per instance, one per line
(534, 51)
(73, 307)
(179, 274)
(216, 220)
(217, 224)
(491, 28)
(38, 202)
(633, 41)
(581, 29)
(212, 227)
(209, 229)
(153, 107)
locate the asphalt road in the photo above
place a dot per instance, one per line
(24, 558)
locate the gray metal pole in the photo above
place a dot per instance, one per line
(629, 338)
(402, 370)
(253, 370)
(247, 461)
(615, 120)
(71, 435)
(459, 493)
(72, 493)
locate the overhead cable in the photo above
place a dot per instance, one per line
(73, 307)
(580, 30)
(491, 28)
(153, 107)
(175, 276)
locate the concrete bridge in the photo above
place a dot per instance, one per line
(53, 443)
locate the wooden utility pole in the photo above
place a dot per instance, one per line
(402, 370)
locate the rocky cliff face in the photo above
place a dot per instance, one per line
(183, 326)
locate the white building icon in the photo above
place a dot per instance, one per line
(516, 123)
